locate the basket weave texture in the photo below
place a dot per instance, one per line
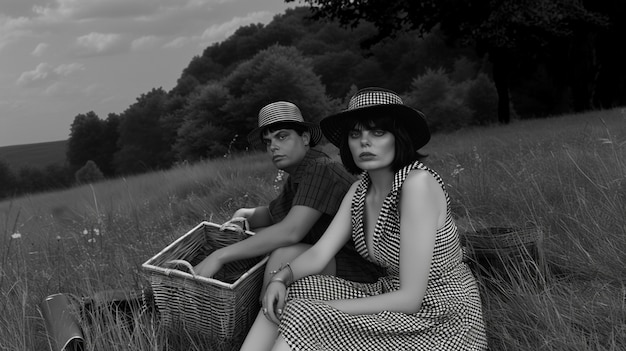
(501, 240)
(223, 307)
(496, 249)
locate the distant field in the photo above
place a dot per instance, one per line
(36, 155)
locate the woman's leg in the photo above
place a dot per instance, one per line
(262, 335)
(281, 344)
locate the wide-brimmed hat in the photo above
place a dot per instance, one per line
(282, 112)
(376, 102)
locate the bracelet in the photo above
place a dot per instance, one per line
(286, 281)
(278, 280)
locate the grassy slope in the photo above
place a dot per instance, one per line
(36, 155)
(564, 175)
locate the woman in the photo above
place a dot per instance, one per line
(398, 215)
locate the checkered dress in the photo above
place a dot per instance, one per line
(450, 317)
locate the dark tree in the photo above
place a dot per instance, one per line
(503, 29)
(93, 139)
(602, 55)
(58, 176)
(141, 142)
(89, 173)
(8, 180)
(277, 73)
(31, 180)
(86, 134)
(108, 145)
(201, 134)
(200, 70)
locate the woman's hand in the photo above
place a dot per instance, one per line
(209, 266)
(243, 213)
(274, 301)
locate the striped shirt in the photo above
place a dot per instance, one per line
(319, 183)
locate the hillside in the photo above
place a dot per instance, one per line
(37, 155)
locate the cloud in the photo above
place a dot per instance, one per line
(62, 89)
(220, 31)
(45, 73)
(95, 9)
(55, 89)
(145, 42)
(100, 43)
(12, 29)
(40, 49)
(177, 43)
(39, 74)
(69, 68)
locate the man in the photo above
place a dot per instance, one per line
(300, 214)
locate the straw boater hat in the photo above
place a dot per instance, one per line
(376, 102)
(282, 112)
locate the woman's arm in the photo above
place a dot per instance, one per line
(258, 217)
(313, 260)
(423, 209)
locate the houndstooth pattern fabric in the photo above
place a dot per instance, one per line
(373, 97)
(450, 317)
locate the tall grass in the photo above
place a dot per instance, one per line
(565, 175)
(95, 238)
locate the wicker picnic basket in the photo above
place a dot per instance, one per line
(223, 307)
(496, 249)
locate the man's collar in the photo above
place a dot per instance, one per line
(310, 157)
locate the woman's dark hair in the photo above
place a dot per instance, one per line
(298, 128)
(405, 152)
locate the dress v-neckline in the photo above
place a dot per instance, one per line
(370, 252)
(377, 216)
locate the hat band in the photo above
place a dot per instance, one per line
(279, 112)
(373, 98)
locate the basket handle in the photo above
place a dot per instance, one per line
(230, 224)
(182, 263)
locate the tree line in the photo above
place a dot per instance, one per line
(462, 63)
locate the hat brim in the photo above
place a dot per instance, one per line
(334, 126)
(254, 137)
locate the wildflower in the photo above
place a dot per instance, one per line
(58, 237)
(96, 231)
(230, 146)
(92, 240)
(279, 176)
(476, 155)
(85, 232)
(278, 179)
(16, 235)
(457, 170)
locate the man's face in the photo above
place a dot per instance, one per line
(286, 148)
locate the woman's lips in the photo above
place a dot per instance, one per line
(366, 156)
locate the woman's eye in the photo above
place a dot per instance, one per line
(353, 134)
(378, 132)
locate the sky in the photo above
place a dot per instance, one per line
(61, 58)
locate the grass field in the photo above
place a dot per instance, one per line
(35, 155)
(565, 175)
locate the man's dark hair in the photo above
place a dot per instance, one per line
(298, 128)
(405, 152)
